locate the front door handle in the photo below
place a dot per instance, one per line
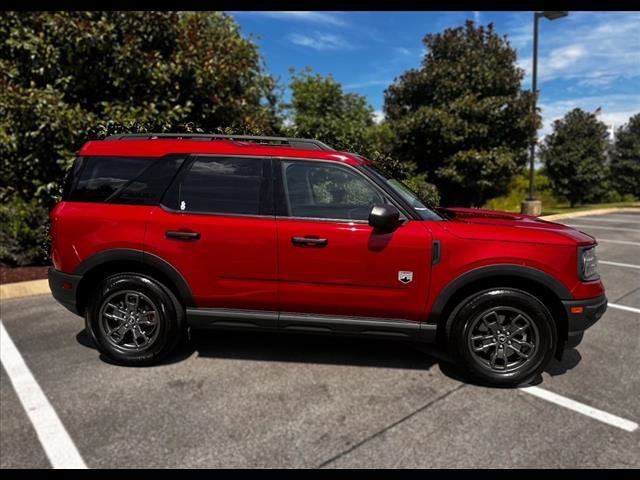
(182, 235)
(309, 241)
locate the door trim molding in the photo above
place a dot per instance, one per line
(229, 318)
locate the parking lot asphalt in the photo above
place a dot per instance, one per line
(255, 400)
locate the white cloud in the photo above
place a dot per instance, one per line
(562, 58)
(525, 64)
(476, 16)
(616, 109)
(321, 41)
(303, 16)
(378, 116)
(591, 49)
(598, 78)
(402, 51)
(615, 120)
(368, 83)
(520, 30)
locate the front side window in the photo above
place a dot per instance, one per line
(322, 190)
(405, 192)
(224, 185)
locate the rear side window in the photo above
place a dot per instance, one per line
(125, 180)
(223, 185)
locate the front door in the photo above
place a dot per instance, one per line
(331, 261)
(217, 228)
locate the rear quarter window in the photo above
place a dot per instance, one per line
(124, 180)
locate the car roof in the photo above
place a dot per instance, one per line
(158, 147)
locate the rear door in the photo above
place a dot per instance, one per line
(331, 261)
(216, 226)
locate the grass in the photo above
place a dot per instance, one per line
(518, 191)
(591, 206)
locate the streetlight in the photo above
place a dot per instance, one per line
(531, 206)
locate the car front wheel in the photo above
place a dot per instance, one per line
(503, 337)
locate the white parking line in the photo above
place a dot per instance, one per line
(600, 227)
(619, 242)
(624, 307)
(616, 264)
(594, 413)
(56, 442)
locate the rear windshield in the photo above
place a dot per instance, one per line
(127, 180)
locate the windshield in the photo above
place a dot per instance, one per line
(405, 192)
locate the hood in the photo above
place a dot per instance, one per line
(480, 224)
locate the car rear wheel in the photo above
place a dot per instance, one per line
(503, 337)
(134, 320)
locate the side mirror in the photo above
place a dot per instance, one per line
(384, 217)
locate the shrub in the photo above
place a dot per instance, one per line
(24, 227)
(519, 190)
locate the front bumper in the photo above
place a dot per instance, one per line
(64, 288)
(582, 314)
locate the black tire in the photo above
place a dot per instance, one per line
(159, 321)
(493, 331)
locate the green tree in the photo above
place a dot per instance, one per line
(625, 158)
(69, 76)
(462, 117)
(574, 157)
(320, 109)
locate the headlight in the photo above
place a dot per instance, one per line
(588, 263)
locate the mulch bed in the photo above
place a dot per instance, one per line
(21, 274)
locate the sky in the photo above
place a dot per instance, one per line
(586, 60)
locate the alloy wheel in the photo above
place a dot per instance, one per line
(129, 320)
(503, 339)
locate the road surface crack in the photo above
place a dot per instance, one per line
(625, 295)
(389, 427)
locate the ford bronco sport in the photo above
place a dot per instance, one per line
(156, 233)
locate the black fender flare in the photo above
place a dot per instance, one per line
(490, 271)
(145, 258)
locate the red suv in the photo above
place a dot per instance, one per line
(157, 233)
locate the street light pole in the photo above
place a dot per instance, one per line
(531, 206)
(534, 90)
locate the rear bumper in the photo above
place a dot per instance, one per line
(64, 287)
(582, 314)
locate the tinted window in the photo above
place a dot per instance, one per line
(223, 185)
(405, 192)
(148, 187)
(129, 180)
(71, 178)
(322, 190)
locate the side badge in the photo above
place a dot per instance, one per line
(405, 277)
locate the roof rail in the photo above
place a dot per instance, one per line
(301, 143)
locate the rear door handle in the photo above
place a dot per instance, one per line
(182, 235)
(309, 241)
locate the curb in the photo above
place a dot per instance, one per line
(24, 289)
(584, 213)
